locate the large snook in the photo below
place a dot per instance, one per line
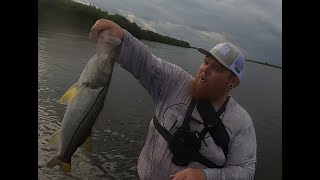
(85, 100)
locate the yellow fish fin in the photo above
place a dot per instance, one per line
(54, 139)
(72, 92)
(65, 167)
(88, 143)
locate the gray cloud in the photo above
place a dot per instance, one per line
(253, 25)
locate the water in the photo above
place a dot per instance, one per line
(119, 135)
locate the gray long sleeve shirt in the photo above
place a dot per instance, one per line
(167, 85)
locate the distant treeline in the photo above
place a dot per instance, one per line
(84, 16)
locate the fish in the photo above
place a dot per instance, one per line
(85, 100)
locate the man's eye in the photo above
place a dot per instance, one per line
(215, 68)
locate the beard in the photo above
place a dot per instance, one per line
(198, 91)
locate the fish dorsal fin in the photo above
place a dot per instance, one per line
(99, 116)
(88, 143)
(72, 92)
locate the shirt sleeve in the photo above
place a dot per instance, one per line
(241, 159)
(157, 76)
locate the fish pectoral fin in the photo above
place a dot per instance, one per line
(65, 167)
(88, 143)
(54, 140)
(71, 93)
(99, 116)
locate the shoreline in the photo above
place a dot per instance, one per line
(266, 64)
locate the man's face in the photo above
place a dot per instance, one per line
(213, 80)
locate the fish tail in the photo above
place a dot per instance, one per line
(65, 167)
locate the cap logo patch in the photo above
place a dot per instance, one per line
(223, 49)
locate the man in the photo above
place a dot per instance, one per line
(178, 97)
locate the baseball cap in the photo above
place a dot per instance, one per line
(228, 55)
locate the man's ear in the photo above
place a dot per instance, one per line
(235, 81)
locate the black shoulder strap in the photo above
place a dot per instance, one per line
(165, 134)
(168, 136)
(187, 118)
(212, 118)
(208, 113)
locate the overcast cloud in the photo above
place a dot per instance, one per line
(253, 25)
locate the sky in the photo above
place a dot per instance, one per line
(255, 26)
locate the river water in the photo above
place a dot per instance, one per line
(119, 135)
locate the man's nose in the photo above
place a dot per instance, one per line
(206, 68)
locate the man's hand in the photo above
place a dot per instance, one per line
(105, 25)
(189, 174)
